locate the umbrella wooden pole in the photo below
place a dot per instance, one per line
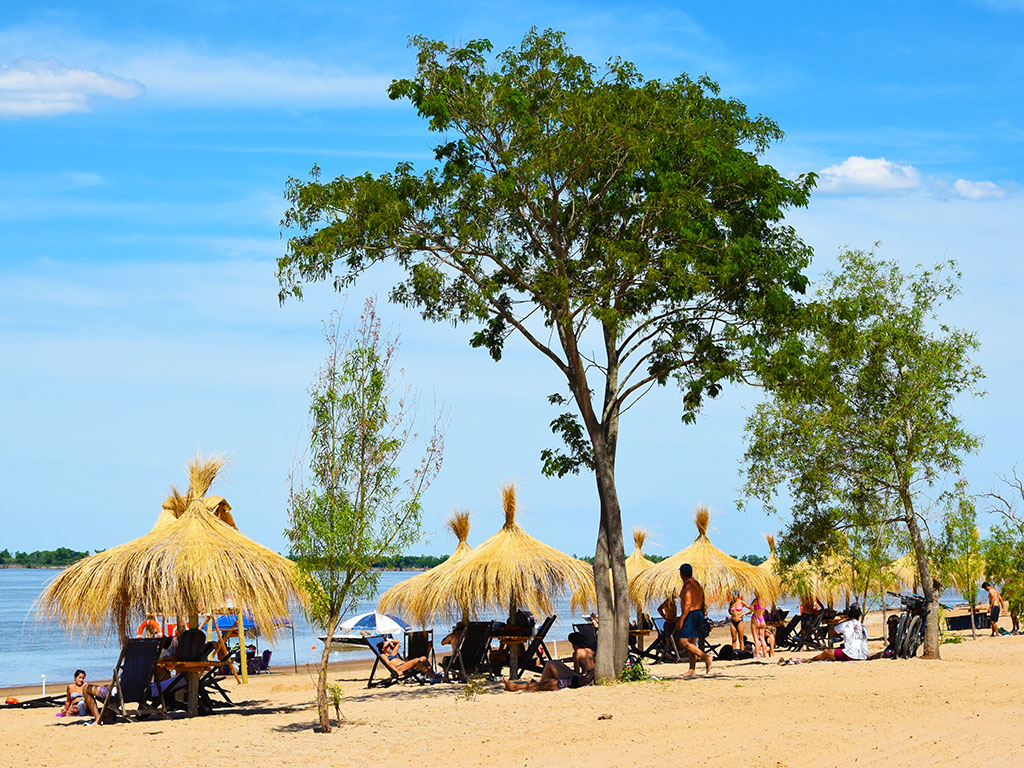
(513, 648)
(244, 655)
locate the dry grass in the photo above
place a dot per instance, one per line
(412, 598)
(511, 569)
(183, 567)
(717, 572)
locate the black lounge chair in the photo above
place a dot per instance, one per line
(663, 648)
(589, 632)
(133, 675)
(784, 635)
(420, 643)
(808, 634)
(470, 656)
(375, 642)
(702, 641)
(536, 654)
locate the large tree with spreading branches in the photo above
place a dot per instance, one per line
(624, 228)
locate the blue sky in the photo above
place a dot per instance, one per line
(143, 156)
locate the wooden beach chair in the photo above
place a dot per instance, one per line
(375, 642)
(470, 656)
(133, 675)
(536, 654)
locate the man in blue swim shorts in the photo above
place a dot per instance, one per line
(691, 627)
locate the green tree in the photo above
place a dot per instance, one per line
(959, 551)
(865, 412)
(348, 507)
(1004, 546)
(624, 228)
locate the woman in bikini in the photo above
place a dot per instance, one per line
(737, 610)
(389, 651)
(757, 627)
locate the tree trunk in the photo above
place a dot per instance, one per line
(931, 627)
(613, 603)
(974, 634)
(321, 681)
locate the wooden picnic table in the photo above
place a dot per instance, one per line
(192, 669)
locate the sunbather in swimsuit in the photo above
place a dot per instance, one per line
(757, 627)
(736, 612)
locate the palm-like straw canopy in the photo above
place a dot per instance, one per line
(412, 597)
(512, 570)
(184, 566)
(717, 572)
(636, 562)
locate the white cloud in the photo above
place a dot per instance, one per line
(181, 74)
(47, 88)
(978, 190)
(868, 175)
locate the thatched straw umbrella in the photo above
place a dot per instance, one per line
(184, 566)
(512, 570)
(717, 572)
(412, 596)
(637, 563)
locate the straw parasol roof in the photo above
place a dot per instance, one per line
(512, 570)
(717, 572)
(183, 566)
(412, 596)
(636, 562)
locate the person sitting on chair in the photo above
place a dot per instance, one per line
(557, 675)
(389, 653)
(453, 639)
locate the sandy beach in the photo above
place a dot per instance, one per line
(746, 713)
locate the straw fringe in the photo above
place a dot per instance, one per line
(717, 572)
(409, 598)
(188, 565)
(511, 569)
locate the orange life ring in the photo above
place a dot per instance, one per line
(149, 626)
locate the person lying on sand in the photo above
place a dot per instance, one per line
(855, 642)
(81, 697)
(557, 675)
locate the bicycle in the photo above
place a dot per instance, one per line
(908, 634)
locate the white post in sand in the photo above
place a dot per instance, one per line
(44, 684)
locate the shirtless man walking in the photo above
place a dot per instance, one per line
(691, 596)
(995, 603)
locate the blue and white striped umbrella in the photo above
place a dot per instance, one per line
(379, 623)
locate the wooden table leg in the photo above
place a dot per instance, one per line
(193, 693)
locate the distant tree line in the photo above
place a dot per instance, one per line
(45, 557)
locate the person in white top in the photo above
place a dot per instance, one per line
(855, 641)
